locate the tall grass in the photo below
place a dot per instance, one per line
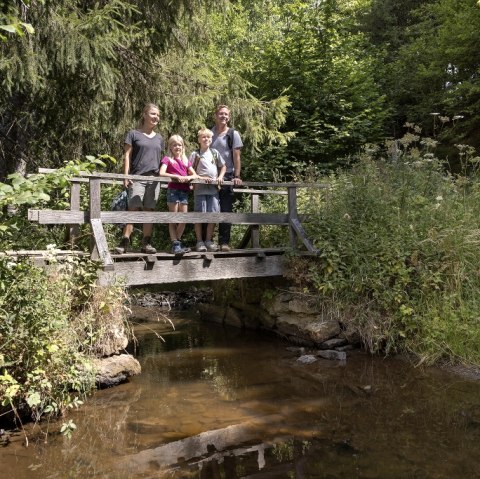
(400, 258)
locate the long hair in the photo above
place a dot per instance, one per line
(176, 139)
(146, 108)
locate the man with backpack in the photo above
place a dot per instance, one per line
(228, 143)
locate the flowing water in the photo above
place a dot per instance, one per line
(215, 402)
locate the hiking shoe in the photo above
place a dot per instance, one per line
(122, 248)
(201, 248)
(211, 246)
(147, 247)
(224, 247)
(177, 247)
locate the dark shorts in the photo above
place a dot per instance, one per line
(177, 196)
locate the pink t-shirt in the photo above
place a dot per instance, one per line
(177, 167)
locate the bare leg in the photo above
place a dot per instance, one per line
(198, 231)
(210, 231)
(147, 227)
(180, 227)
(172, 227)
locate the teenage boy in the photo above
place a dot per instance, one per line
(209, 166)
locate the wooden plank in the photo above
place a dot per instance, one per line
(191, 217)
(193, 269)
(246, 238)
(255, 207)
(48, 217)
(292, 214)
(40, 252)
(298, 228)
(33, 215)
(73, 230)
(168, 255)
(95, 211)
(101, 250)
(121, 177)
(61, 217)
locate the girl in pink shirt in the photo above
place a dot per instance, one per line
(180, 170)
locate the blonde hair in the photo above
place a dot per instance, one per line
(146, 108)
(205, 131)
(176, 139)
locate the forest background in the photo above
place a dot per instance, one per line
(380, 98)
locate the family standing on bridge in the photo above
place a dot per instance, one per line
(217, 159)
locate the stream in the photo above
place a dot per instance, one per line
(219, 402)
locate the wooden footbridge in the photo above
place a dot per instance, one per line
(249, 259)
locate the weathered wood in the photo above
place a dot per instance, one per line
(192, 269)
(38, 252)
(101, 246)
(255, 208)
(33, 215)
(95, 211)
(120, 217)
(51, 217)
(121, 177)
(298, 228)
(292, 214)
(73, 229)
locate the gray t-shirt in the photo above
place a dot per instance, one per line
(220, 143)
(146, 152)
(206, 165)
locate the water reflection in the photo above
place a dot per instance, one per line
(221, 403)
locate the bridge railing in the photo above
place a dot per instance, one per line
(97, 217)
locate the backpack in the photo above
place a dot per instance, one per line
(215, 157)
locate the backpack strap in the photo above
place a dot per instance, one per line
(230, 134)
(196, 160)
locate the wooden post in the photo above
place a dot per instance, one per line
(295, 227)
(98, 244)
(255, 234)
(73, 231)
(292, 214)
(95, 209)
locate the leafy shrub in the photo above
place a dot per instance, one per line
(399, 251)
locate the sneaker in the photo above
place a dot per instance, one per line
(177, 247)
(201, 248)
(122, 248)
(224, 247)
(211, 246)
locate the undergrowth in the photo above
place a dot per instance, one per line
(399, 251)
(53, 323)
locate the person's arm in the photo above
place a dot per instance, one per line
(163, 172)
(221, 173)
(192, 174)
(237, 166)
(127, 151)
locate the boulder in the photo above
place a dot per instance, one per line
(307, 327)
(115, 369)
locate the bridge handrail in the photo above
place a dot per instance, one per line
(96, 217)
(118, 177)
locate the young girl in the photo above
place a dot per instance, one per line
(180, 170)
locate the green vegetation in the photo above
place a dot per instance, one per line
(53, 321)
(310, 83)
(399, 251)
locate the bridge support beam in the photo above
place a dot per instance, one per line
(186, 269)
